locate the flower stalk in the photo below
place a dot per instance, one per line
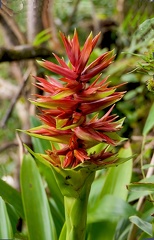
(75, 186)
(76, 216)
(76, 212)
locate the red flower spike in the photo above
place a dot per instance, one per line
(66, 72)
(85, 53)
(61, 61)
(66, 106)
(75, 48)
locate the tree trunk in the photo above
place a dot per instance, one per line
(34, 18)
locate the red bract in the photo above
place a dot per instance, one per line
(67, 106)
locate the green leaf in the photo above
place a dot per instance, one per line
(101, 230)
(107, 197)
(143, 36)
(50, 178)
(138, 186)
(5, 225)
(130, 95)
(115, 136)
(149, 124)
(40, 145)
(11, 196)
(143, 225)
(58, 215)
(110, 208)
(54, 188)
(135, 193)
(37, 212)
(63, 232)
(146, 166)
(41, 37)
(13, 216)
(118, 177)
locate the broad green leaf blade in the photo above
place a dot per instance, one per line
(143, 225)
(37, 212)
(101, 230)
(110, 208)
(11, 196)
(96, 188)
(49, 176)
(149, 124)
(107, 197)
(118, 177)
(58, 216)
(53, 186)
(13, 216)
(40, 145)
(5, 225)
(122, 229)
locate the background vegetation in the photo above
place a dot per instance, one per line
(29, 30)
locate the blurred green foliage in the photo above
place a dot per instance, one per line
(134, 65)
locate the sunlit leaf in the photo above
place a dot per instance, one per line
(37, 212)
(58, 215)
(101, 230)
(134, 195)
(42, 37)
(107, 197)
(146, 166)
(138, 186)
(149, 124)
(63, 232)
(40, 145)
(110, 208)
(14, 217)
(143, 36)
(5, 225)
(11, 196)
(117, 178)
(143, 225)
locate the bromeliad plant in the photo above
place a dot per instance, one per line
(81, 140)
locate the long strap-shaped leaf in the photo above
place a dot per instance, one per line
(5, 225)
(37, 212)
(11, 196)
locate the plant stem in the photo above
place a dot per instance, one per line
(76, 212)
(75, 185)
